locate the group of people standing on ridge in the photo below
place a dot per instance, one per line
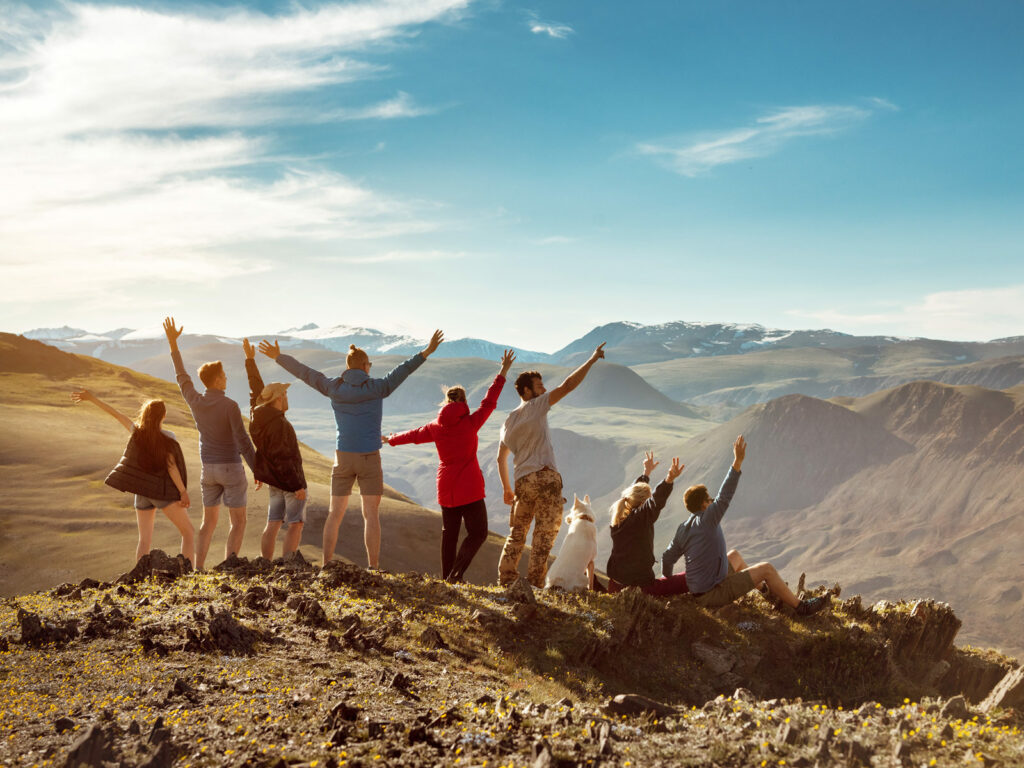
(153, 468)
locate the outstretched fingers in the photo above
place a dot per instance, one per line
(270, 350)
(169, 329)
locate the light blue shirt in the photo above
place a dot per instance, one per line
(356, 399)
(701, 541)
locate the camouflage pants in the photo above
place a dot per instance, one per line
(538, 499)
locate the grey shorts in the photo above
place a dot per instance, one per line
(284, 507)
(144, 503)
(732, 587)
(364, 467)
(224, 480)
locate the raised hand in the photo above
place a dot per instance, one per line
(82, 396)
(739, 452)
(270, 350)
(649, 462)
(507, 358)
(675, 470)
(172, 332)
(250, 351)
(599, 352)
(435, 342)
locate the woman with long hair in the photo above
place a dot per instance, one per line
(633, 516)
(460, 483)
(152, 468)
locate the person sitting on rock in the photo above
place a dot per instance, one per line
(278, 462)
(152, 468)
(715, 577)
(633, 516)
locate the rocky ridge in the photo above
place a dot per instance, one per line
(285, 664)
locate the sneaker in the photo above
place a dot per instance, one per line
(813, 605)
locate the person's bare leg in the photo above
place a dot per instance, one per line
(269, 538)
(334, 517)
(292, 538)
(736, 560)
(371, 529)
(145, 519)
(206, 529)
(766, 572)
(236, 533)
(178, 515)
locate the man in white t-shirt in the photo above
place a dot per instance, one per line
(538, 485)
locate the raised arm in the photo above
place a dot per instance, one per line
(188, 389)
(503, 454)
(490, 401)
(313, 378)
(575, 378)
(253, 373)
(713, 514)
(85, 396)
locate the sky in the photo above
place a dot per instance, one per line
(515, 172)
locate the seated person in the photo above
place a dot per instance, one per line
(717, 578)
(633, 516)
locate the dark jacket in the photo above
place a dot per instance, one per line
(459, 479)
(278, 460)
(129, 476)
(632, 559)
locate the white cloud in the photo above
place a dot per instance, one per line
(391, 257)
(976, 314)
(549, 28)
(136, 142)
(768, 134)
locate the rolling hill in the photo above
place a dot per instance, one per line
(918, 489)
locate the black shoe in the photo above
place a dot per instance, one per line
(813, 605)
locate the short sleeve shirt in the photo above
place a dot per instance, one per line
(525, 433)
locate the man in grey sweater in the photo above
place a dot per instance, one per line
(715, 577)
(223, 443)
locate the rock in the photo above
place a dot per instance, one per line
(341, 713)
(37, 632)
(222, 633)
(256, 598)
(62, 724)
(955, 709)
(1009, 692)
(309, 612)
(521, 591)
(164, 756)
(431, 638)
(91, 749)
(857, 753)
(88, 584)
(788, 734)
(717, 660)
(334, 644)
(926, 631)
(133, 728)
(157, 564)
(523, 612)
(338, 572)
(900, 749)
(742, 694)
(635, 704)
(542, 756)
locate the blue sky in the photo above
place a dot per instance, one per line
(516, 172)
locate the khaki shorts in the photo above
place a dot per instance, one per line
(364, 467)
(732, 587)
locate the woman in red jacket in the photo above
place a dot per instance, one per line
(460, 483)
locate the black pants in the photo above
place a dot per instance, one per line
(475, 516)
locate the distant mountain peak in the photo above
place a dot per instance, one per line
(54, 334)
(306, 327)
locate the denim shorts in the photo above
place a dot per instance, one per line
(284, 507)
(144, 503)
(224, 480)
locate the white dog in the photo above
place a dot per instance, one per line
(574, 566)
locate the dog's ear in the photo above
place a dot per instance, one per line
(575, 499)
(587, 498)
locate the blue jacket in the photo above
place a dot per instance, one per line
(356, 399)
(701, 541)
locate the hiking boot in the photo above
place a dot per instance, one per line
(812, 605)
